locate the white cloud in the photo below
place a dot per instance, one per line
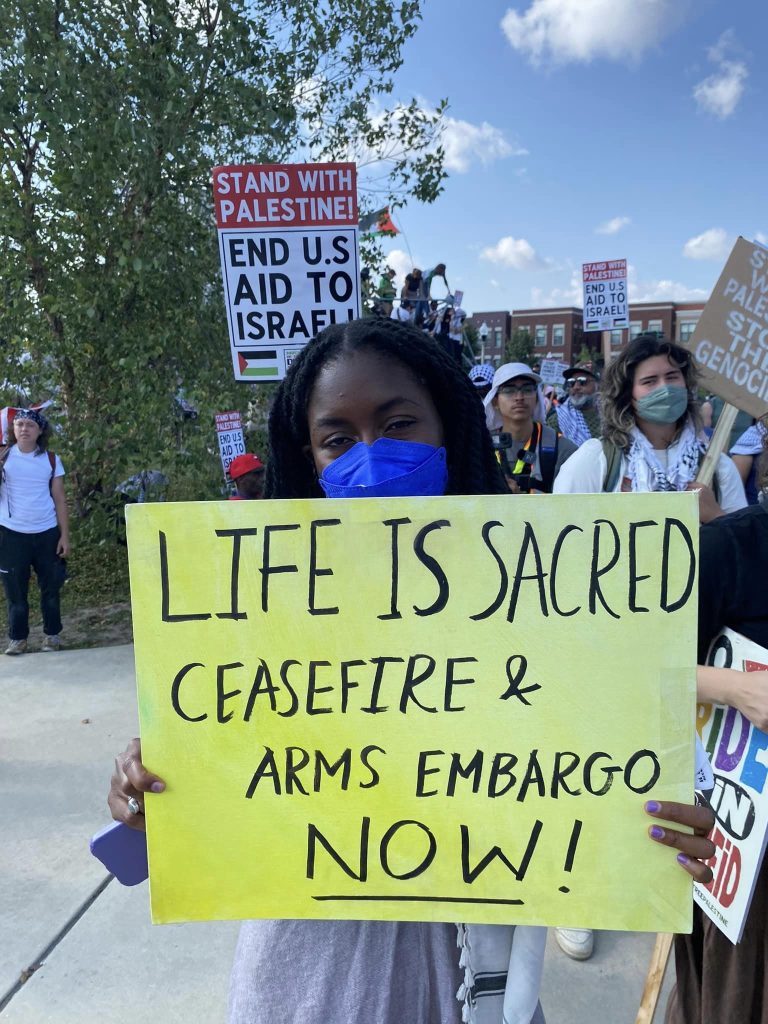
(714, 244)
(465, 143)
(665, 291)
(401, 263)
(662, 290)
(514, 252)
(580, 30)
(761, 237)
(612, 226)
(556, 297)
(721, 91)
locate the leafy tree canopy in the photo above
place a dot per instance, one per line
(112, 114)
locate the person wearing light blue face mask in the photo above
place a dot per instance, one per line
(651, 432)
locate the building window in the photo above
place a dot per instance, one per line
(540, 338)
(616, 338)
(558, 335)
(656, 326)
(635, 328)
(686, 330)
(497, 337)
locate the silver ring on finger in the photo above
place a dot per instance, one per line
(134, 807)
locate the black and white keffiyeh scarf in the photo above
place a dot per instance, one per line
(683, 457)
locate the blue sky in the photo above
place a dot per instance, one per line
(587, 130)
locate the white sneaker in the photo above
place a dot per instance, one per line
(51, 643)
(16, 647)
(577, 943)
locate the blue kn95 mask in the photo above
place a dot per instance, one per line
(387, 469)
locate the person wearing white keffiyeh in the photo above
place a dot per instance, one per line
(745, 454)
(650, 423)
(650, 419)
(578, 417)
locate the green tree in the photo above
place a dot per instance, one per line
(473, 338)
(112, 115)
(519, 348)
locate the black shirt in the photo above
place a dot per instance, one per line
(733, 577)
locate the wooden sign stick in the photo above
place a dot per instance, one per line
(717, 445)
(654, 979)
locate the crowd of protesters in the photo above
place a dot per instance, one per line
(636, 427)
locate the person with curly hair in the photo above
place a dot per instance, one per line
(379, 402)
(651, 432)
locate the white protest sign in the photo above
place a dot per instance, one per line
(731, 338)
(288, 241)
(229, 430)
(605, 295)
(739, 758)
(552, 371)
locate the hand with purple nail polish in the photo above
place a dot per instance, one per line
(130, 781)
(695, 849)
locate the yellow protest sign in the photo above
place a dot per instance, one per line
(417, 709)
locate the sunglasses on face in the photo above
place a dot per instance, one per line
(577, 380)
(515, 389)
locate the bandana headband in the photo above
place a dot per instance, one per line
(31, 414)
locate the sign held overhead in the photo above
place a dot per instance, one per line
(605, 295)
(288, 241)
(730, 342)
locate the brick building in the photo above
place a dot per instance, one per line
(556, 332)
(499, 332)
(559, 332)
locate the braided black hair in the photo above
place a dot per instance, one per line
(472, 465)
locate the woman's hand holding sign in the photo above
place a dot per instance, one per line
(130, 782)
(694, 849)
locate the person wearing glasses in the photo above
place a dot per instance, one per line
(578, 417)
(529, 451)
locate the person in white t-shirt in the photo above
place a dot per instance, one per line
(651, 432)
(651, 442)
(34, 529)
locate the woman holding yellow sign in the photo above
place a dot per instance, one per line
(372, 408)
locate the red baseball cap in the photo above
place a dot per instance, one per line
(244, 464)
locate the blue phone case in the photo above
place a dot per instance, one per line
(123, 851)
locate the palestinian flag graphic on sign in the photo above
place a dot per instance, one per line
(259, 363)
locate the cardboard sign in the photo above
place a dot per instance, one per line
(417, 708)
(605, 295)
(730, 341)
(288, 241)
(229, 431)
(737, 752)
(552, 371)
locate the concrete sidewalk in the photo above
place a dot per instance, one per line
(64, 718)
